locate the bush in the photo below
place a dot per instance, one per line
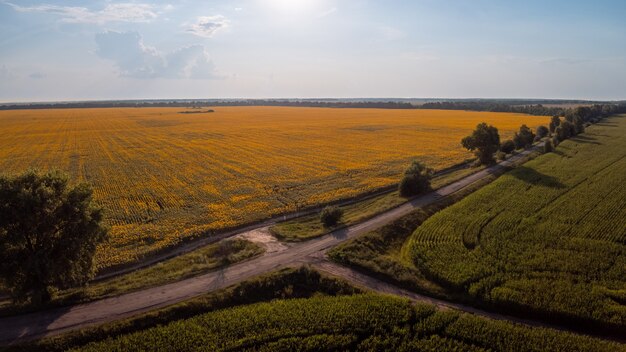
(416, 180)
(500, 155)
(331, 215)
(507, 147)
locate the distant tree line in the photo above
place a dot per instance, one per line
(496, 105)
(214, 103)
(537, 109)
(485, 140)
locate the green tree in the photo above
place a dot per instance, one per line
(507, 146)
(416, 180)
(484, 141)
(554, 123)
(48, 234)
(524, 138)
(579, 125)
(331, 215)
(542, 131)
(565, 130)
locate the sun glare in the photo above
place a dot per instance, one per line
(292, 7)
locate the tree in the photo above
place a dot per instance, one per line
(579, 125)
(507, 146)
(416, 180)
(583, 112)
(554, 123)
(524, 138)
(331, 215)
(542, 131)
(48, 234)
(484, 141)
(565, 131)
(570, 129)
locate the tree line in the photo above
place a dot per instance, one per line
(512, 106)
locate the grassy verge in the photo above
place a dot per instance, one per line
(178, 268)
(307, 227)
(286, 283)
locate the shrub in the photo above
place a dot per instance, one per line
(416, 180)
(500, 155)
(331, 215)
(507, 147)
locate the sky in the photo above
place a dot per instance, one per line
(53, 50)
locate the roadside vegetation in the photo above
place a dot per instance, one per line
(286, 283)
(310, 226)
(416, 180)
(200, 261)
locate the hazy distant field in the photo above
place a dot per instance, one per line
(163, 176)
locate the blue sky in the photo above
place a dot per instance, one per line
(76, 50)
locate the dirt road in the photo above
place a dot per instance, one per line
(60, 320)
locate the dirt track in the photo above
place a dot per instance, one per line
(55, 321)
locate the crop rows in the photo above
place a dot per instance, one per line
(360, 322)
(163, 176)
(549, 236)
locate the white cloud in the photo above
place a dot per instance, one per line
(131, 56)
(207, 26)
(120, 12)
(134, 59)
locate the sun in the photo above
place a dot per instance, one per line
(292, 6)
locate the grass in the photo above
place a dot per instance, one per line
(307, 227)
(547, 239)
(164, 177)
(187, 265)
